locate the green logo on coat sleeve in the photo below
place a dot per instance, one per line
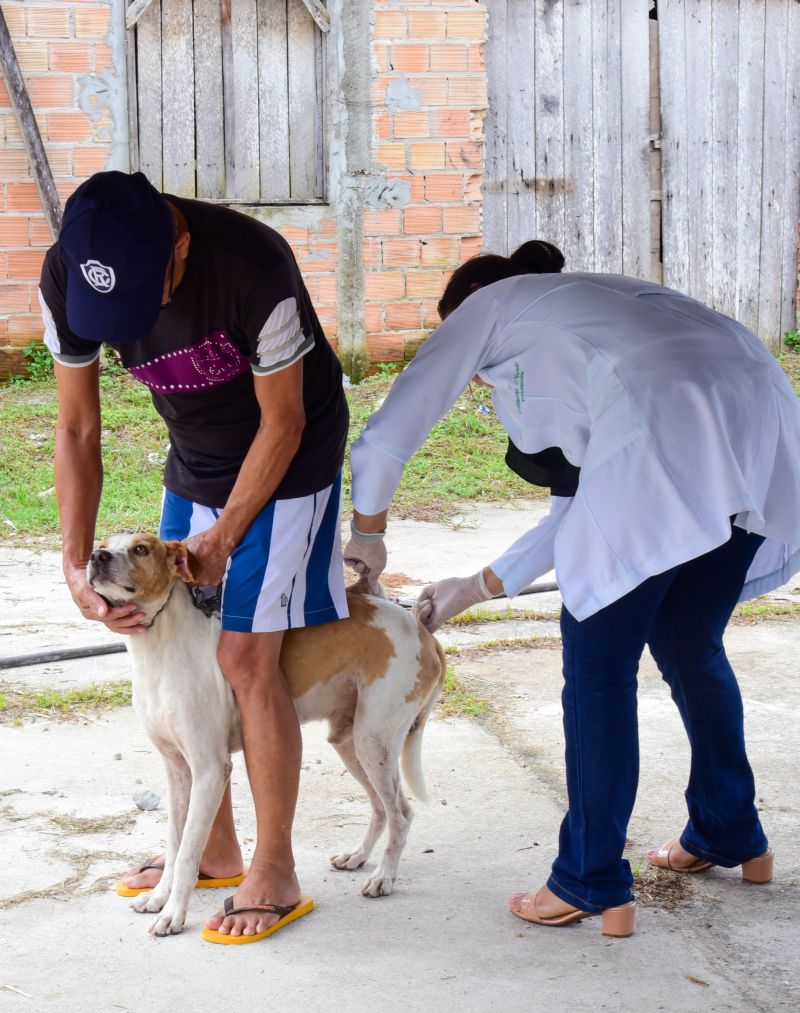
(519, 386)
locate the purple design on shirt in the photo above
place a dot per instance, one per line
(209, 362)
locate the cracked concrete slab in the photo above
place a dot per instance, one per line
(69, 827)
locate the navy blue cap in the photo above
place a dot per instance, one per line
(116, 241)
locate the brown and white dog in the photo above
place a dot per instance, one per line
(374, 677)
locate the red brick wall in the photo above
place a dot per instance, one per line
(56, 44)
(435, 150)
(436, 49)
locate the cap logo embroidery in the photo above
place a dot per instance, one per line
(100, 277)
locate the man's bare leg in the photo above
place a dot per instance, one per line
(272, 749)
(222, 858)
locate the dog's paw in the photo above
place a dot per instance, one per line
(348, 860)
(149, 902)
(378, 886)
(168, 923)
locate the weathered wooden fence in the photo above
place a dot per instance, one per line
(227, 99)
(576, 118)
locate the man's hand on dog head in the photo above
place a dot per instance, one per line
(208, 556)
(117, 618)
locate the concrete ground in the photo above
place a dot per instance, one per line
(444, 940)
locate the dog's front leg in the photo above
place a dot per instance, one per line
(208, 785)
(179, 784)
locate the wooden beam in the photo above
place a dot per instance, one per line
(23, 110)
(135, 10)
(319, 12)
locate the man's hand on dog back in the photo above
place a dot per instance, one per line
(117, 618)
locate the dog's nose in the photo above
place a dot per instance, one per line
(100, 556)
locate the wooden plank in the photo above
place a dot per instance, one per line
(723, 155)
(28, 127)
(656, 265)
(578, 248)
(634, 41)
(131, 96)
(177, 76)
(749, 159)
(672, 83)
(208, 103)
(321, 57)
(495, 188)
(273, 79)
(791, 148)
(304, 100)
(773, 195)
(698, 142)
(549, 120)
(148, 90)
(606, 141)
(243, 99)
(521, 144)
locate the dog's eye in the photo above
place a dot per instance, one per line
(141, 550)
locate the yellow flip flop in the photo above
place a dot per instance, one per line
(285, 915)
(203, 882)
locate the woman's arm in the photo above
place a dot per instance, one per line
(532, 554)
(425, 391)
(528, 558)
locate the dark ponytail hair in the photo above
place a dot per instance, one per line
(534, 257)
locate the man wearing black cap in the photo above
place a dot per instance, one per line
(207, 307)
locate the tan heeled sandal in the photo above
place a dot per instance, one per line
(756, 870)
(544, 908)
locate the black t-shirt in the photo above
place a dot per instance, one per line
(241, 309)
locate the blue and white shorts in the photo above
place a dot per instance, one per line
(287, 572)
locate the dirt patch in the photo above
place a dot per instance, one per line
(119, 824)
(512, 644)
(71, 885)
(662, 889)
(393, 580)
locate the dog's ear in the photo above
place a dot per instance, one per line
(183, 561)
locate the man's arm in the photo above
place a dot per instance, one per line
(280, 399)
(78, 481)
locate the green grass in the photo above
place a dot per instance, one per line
(791, 366)
(457, 701)
(758, 611)
(463, 460)
(474, 616)
(508, 644)
(17, 706)
(131, 430)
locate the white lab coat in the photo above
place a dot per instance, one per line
(678, 417)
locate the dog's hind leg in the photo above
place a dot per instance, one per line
(208, 785)
(381, 764)
(355, 859)
(179, 783)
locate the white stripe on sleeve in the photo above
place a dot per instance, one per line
(282, 341)
(53, 342)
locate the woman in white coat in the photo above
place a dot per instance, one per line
(671, 440)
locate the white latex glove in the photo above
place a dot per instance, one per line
(366, 554)
(446, 598)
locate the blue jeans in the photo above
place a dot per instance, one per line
(681, 615)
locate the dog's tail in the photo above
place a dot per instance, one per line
(411, 756)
